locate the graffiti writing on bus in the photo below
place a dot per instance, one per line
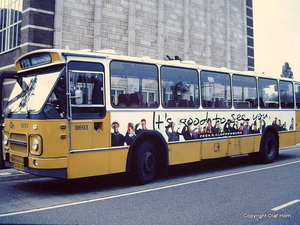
(176, 127)
(217, 126)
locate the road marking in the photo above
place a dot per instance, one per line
(287, 149)
(144, 191)
(286, 205)
(5, 174)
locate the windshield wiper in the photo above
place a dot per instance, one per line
(28, 92)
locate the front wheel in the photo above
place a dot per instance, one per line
(145, 162)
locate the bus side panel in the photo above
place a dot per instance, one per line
(82, 135)
(297, 137)
(90, 134)
(214, 149)
(118, 160)
(101, 133)
(286, 139)
(243, 145)
(184, 152)
(257, 140)
(234, 146)
(86, 164)
(247, 144)
(297, 120)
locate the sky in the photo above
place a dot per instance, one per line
(276, 36)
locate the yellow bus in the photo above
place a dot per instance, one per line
(73, 114)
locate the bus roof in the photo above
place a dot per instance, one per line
(40, 58)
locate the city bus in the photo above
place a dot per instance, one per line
(74, 114)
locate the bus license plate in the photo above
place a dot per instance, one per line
(19, 167)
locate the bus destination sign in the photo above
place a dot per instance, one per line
(35, 60)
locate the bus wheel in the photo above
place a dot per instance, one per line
(268, 148)
(145, 162)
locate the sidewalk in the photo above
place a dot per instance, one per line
(12, 174)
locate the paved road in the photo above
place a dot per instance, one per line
(230, 191)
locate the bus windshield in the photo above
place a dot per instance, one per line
(30, 93)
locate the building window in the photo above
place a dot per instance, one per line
(249, 22)
(251, 52)
(250, 40)
(250, 62)
(10, 24)
(250, 31)
(249, 3)
(249, 12)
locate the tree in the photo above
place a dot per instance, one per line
(287, 71)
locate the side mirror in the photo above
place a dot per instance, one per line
(78, 97)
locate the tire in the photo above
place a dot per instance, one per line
(268, 148)
(145, 162)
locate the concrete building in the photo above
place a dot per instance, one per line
(211, 32)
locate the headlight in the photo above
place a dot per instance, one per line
(35, 144)
(5, 140)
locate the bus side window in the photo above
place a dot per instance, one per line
(97, 91)
(180, 87)
(244, 91)
(215, 90)
(86, 88)
(286, 94)
(268, 93)
(133, 84)
(297, 94)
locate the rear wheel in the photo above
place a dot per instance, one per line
(268, 148)
(145, 162)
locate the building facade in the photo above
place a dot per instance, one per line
(215, 33)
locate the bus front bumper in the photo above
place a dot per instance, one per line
(50, 167)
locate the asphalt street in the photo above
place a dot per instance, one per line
(222, 191)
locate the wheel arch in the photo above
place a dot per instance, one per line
(162, 147)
